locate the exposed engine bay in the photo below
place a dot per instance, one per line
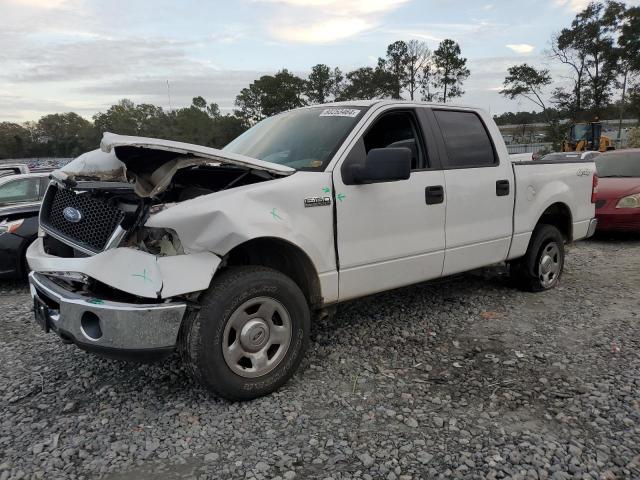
(133, 211)
(116, 190)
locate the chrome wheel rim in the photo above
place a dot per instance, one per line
(549, 265)
(256, 337)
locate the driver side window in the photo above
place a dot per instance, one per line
(397, 130)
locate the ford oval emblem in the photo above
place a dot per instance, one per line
(72, 215)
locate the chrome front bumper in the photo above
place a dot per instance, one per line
(121, 330)
(593, 224)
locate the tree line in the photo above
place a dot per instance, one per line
(408, 68)
(69, 134)
(601, 51)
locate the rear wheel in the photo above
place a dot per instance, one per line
(543, 263)
(250, 334)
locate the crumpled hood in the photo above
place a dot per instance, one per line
(151, 163)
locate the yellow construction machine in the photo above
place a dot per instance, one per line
(587, 137)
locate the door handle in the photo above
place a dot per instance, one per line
(434, 194)
(502, 188)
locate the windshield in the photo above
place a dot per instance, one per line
(303, 139)
(582, 132)
(619, 164)
(20, 190)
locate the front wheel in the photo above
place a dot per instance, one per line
(542, 265)
(250, 334)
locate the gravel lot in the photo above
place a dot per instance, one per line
(463, 378)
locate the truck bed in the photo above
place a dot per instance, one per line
(542, 185)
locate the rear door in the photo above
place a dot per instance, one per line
(390, 234)
(479, 190)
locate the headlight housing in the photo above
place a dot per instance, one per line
(631, 201)
(10, 227)
(159, 241)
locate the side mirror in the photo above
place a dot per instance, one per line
(383, 165)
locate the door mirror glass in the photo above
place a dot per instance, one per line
(383, 165)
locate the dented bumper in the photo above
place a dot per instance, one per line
(113, 329)
(134, 271)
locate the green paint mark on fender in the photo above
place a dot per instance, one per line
(143, 276)
(326, 189)
(274, 214)
(341, 196)
(96, 301)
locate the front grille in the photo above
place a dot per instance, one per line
(99, 218)
(601, 203)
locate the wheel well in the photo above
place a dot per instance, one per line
(559, 215)
(283, 257)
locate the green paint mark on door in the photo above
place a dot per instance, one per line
(341, 196)
(143, 276)
(274, 214)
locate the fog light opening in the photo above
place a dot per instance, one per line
(90, 326)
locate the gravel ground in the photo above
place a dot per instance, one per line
(462, 378)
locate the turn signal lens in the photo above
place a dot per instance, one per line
(632, 201)
(10, 227)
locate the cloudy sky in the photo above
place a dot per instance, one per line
(84, 55)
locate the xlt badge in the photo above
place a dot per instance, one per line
(317, 201)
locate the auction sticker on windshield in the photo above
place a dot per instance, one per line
(340, 112)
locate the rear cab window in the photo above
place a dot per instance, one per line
(466, 140)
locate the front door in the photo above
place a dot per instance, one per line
(390, 234)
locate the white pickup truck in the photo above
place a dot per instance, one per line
(148, 246)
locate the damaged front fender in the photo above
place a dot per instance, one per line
(133, 271)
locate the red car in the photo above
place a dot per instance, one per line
(618, 196)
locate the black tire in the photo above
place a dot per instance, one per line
(527, 272)
(204, 332)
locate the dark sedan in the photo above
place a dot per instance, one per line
(20, 197)
(618, 197)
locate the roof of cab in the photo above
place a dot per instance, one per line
(369, 103)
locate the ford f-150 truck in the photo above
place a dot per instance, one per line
(149, 246)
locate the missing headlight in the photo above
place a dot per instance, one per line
(162, 242)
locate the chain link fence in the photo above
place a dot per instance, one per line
(529, 147)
